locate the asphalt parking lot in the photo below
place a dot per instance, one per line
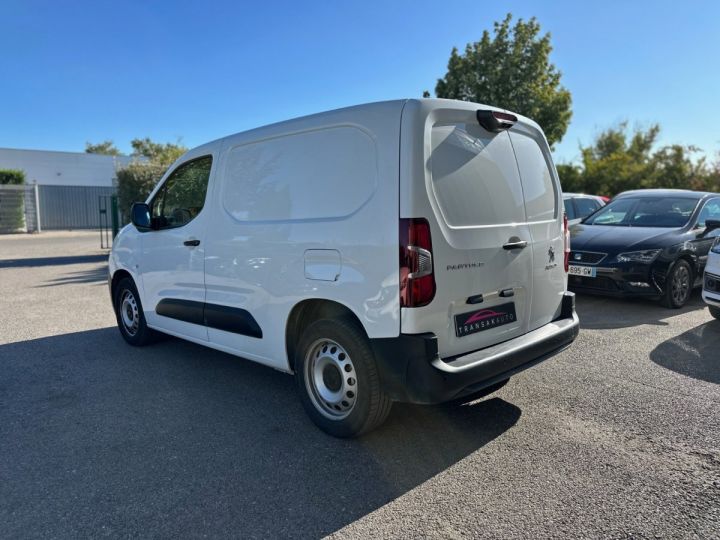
(617, 437)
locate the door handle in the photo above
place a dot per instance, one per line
(515, 243)
(191, 243)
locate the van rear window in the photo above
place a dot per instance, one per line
(475, 177)
(538, 185)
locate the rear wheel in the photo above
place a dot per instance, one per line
(715, 312)
(130, 316)
(338, 379)
(678, 285)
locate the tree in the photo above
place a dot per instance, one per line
(511, 70)
(618, 161)
(135, 182)
(106, 148)
(13, 177)
(571, 177)
(676, 168)
(614, 163)
(162, 153)
(12, 205)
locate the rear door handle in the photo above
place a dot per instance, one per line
(191, 243)
(515, 243)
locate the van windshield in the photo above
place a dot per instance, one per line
(667, 212)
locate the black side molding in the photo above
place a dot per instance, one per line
(229, 319)
(182, 310)
(236, 320)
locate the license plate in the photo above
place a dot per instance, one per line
(484, 319)
(585, 271)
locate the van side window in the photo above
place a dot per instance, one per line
(537, 180)
(182, 196)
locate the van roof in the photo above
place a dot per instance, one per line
(361, 109)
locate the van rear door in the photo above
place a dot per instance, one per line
(543, 201)
(465, 181)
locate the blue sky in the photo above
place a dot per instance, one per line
(72, 72)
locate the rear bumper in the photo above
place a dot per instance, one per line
(412, 371)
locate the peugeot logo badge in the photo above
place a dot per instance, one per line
(551, 255)
(578, 256)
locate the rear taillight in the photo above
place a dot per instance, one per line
(417, 281)
(566, 242)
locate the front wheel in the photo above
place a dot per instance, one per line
(678, 285)
(715, 312)
(130, 316)
(338, 380)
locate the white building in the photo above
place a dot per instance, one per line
(50, 168)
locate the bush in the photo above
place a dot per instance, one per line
(135, 182)
(12, 206)
(12, 176)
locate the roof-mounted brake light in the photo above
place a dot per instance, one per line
(496, 121)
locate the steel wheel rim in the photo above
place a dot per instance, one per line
(129, 313)
(680, 284)
(330, 379)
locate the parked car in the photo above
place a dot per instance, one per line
(711, 281)
(578, 206)
(646, 243)
(384, 252)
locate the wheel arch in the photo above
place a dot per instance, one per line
(306, 312)
(116, 278)
(692, 261)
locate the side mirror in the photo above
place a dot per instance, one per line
(711, 225)
(140, 216)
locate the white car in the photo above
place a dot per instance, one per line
(410, 250)
(711, 280)
(578, 206)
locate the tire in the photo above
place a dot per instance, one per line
(130, 316)
(337, 379)
(715, 312)
(678, 285)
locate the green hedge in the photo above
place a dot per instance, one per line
(12, 206)
(135, 182)
(12, 176)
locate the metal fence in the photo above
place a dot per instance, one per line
(71, 207)
(19, 209)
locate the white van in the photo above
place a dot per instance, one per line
(711, 279)
(408, 250)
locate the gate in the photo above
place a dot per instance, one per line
(109, 219)
(71, 207)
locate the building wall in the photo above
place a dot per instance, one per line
(51, 168)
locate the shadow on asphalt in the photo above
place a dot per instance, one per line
(52, 261)
(99, 274)
(599, 312)
(97, 437)
(695, 353)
